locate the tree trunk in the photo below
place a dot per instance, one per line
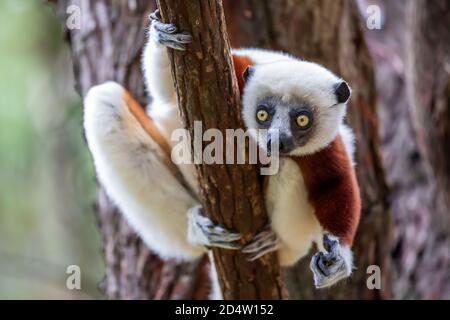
(428, 80)
(231, 195)
(108, 47)
(329, 32)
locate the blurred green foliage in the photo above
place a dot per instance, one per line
(47, 184)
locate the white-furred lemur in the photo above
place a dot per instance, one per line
(314, 197)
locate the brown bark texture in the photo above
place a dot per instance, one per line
(428, 82)
(330, 33)
(428, 63)
(108, 47)
(420, 255)
(231, 195)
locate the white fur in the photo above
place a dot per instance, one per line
(290, 212)
(157, 71)
(349, 141)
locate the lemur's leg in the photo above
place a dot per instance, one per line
(131, 167)
(156, 61)
(333, 265)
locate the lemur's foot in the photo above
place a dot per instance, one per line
(201, 230)
(167, 33)
(330, 267)
(264, 242)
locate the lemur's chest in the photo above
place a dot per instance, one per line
(291, 214)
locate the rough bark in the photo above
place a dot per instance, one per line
(231, 195)
(329, 32)
(108, 47)
(428, 80)
(420, 256)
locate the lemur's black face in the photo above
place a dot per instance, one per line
(293, 118)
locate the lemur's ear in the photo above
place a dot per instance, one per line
(342, 91)
(248, 73)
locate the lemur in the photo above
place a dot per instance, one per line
(314, 197)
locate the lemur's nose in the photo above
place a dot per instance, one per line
(286, 143)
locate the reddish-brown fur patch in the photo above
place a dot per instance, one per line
(240, 64)
(333, 190)
(146, 122)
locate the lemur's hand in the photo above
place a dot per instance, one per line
(201, 230)
(264, 242)
(331, 266)
(166, 33)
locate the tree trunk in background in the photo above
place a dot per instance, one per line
(428, 75)
(330, 33)
(231, 194)
(108, 47)
(429, 81)
(420, 256)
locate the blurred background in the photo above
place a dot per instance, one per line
(394, 54)
(47, 184)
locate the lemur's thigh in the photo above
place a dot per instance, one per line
(131, 166)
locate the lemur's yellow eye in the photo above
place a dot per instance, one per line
(302, 121)
(262, 115)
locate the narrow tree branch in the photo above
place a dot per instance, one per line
(231, 194)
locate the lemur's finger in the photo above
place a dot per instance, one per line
(183, 37)
(263, 236)
(164, 27)
(218, 231)
(226, 245)
(225, 237)
(173, 45)
(323, 264)
(259, 254)
(255, 246)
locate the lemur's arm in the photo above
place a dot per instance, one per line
(334, 194)
(333, 190)
(156, 64)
